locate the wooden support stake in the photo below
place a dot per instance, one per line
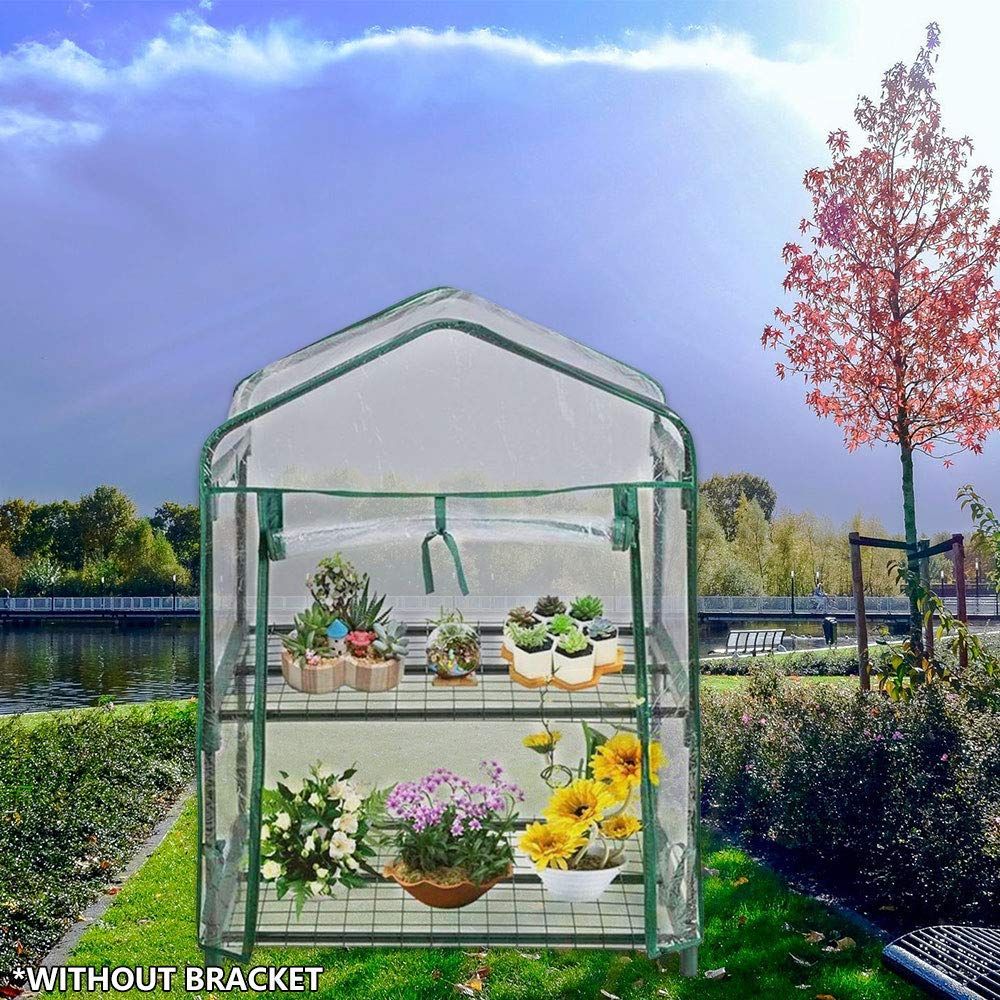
(958, 558)
(860, 620)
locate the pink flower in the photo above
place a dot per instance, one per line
(944, 756)
(746, 719)
(897, 735)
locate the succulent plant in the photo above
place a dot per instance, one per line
(335, 584)
(454, 641)
(448, 616)
(601, 628)
(391, 642)
(365, 612)
(549, 606)
(573, 641)
(309, 634)
(530, 638)
(561, 624)
(521, 616)
(586, 608)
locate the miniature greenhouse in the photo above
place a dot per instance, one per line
(448, 584)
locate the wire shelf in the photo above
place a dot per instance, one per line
(515, 913)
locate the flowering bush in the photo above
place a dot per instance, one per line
(314, 838)
(896, 804)
(453, 828)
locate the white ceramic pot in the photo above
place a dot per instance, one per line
(605, 650)
(578, 887)
(577, 669)
(534, 664)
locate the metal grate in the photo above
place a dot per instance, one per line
(514, 913)
(955, 962)
(494, 696)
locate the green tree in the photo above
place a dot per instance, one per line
(14, 515)
(731, 577)
(105, 517)
(146, 561)
(181, 524)
(52, 530)
(752, 541)
(11, 569)
(40, 576)
(722, 494)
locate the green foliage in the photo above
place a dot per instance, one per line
(894, 803)
(573, 641)
(40, 576)
(78, 792)
(11, 569)
(586, 608)
(181, 524)
(364, 611)
(454, 639)
(731, 578)
(335, 584)
(601, 628)
(145, 561)
(309, 632)
(549, 606)
(392, 642)
(530, 638)
(840, 661)
(722, 494)
(105, 515)
(561, 624)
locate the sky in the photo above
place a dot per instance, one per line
(190, 190)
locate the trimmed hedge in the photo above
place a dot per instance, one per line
(78, 792)
(841, 661)
(894, 805)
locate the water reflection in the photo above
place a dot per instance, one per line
(64, 665)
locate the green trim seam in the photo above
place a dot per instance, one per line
(441, 530)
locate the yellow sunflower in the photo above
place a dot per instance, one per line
(621, 827)
(619, 763)
(552, 844)
(584, 802)
(542, 742)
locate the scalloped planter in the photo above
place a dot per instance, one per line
(444, 897)
(324, 678)
(378, 675)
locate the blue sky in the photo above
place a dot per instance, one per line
(191, 190)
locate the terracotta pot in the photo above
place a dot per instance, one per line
(324, 678)
(445, 897)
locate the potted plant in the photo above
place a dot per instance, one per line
(376, 646)
(334, 585)
(517, 616)
(587, 608)
(309, 662)
(532, 651)
(579, 848)
(314, 839)
(548, 607)
(453, 651)
(452, 839)
(604, 635)
(573, 658)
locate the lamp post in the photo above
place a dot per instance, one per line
(104, 599)
(941, 588)
(173, 590)
(793, 591)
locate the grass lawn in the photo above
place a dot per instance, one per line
(752, 926)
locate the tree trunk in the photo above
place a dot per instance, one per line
(910, 528)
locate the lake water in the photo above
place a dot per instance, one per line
(68, 665)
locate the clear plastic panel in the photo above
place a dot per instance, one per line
(435, 306)
(446, 412)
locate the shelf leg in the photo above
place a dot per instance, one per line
(689, 962)
(213, 958)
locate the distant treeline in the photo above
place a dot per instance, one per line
(99, 544)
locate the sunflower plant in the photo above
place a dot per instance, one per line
(588, 821)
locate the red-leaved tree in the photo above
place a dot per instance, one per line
(896, 323)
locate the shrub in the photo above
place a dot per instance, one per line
(78, 792)
(895, 804)
(819, 662)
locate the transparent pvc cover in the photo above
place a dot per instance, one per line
(553, 470)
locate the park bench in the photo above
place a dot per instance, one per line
(754, 641)
(951, 962)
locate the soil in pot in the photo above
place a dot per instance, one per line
(447, 889)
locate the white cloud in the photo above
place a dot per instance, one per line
(41, 129)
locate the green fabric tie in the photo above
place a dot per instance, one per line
(425, 550)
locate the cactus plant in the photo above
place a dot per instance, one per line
(549, 606)
(391, 642)
(586, 608)
(335, 584)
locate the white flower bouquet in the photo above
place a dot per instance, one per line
(314, 839)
